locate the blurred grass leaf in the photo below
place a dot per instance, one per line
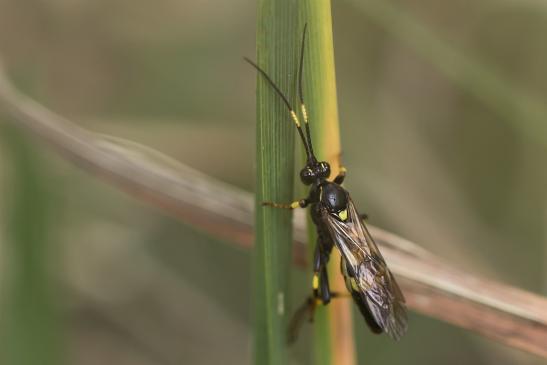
(30, 329)
(523, 112)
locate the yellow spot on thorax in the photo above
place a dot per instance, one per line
(343, 215)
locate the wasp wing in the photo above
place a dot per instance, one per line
(367, 277)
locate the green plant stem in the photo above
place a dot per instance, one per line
(331, 323)
(277, 49)
(280, 26)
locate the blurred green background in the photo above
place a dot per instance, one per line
(444, 132)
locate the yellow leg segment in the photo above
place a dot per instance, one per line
(296, 204)
(315, 281)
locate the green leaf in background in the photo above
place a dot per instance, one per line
(29, 325)
(522, 111)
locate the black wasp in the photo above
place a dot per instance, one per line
(367, 277)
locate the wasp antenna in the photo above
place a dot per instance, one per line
(301, 66)
(286, 101)
(274, 86)
(300, 90)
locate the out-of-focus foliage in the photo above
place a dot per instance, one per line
(427, 158)
(30, 327)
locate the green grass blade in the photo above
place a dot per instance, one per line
(332, 323)
(30, 329)
(277, 51)
(280, 26)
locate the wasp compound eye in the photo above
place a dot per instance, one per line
(307, 176)
(324, 169)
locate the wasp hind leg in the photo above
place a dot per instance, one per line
(306, 311)
(321, 293)
(320, 280)
(320, 296)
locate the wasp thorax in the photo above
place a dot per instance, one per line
(334, 197)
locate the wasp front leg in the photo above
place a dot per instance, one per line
(302, 203)
(339, 179)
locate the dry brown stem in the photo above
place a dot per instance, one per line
(432, 287)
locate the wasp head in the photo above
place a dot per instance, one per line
(314, 171)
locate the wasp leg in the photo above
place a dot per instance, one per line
(320, 285)
(341, 175)
(319, 272)
(364, 217)
(302, 203)
(297, 320)
(339, 179)
(321, 293)
(325, 289)
(338, 295)
(307, 310)
(320, 282)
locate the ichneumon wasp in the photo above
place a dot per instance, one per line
(367, 277)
